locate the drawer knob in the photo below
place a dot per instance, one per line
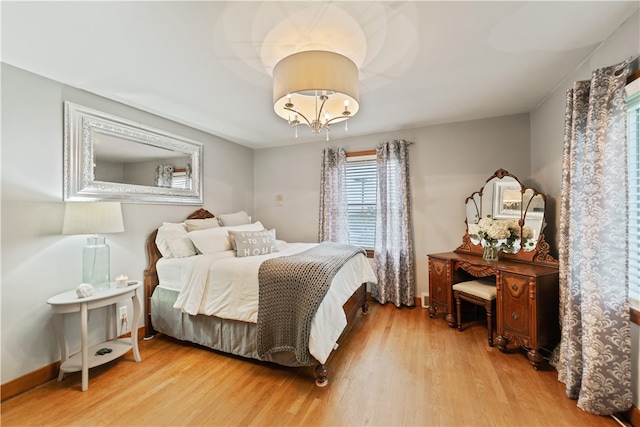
(515, 316)
(514, 286)
(438, 289)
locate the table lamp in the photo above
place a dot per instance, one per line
(94, 218)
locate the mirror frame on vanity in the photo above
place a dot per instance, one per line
(527, 282)
(83, 125)
(540, 253)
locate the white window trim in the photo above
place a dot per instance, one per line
(633, 88)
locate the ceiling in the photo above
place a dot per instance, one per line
(208, 64)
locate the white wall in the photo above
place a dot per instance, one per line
(447, 164)
(37, 261)
(547, 135)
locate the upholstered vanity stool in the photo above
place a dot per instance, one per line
(479, 292)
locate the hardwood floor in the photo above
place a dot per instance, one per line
(398, 367)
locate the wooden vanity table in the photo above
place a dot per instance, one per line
(527, 292)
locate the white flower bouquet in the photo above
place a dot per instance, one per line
(502, 234)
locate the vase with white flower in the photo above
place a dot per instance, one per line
(496, 236)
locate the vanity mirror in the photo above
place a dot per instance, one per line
(508, 216)
(111, 158)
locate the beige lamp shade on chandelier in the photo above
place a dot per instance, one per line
(315, 88)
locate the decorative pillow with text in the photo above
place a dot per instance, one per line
(252, 243)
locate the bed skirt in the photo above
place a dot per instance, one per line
(229, 336)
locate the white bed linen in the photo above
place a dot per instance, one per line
(225, 286)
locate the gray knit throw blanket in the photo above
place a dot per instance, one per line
(291, 289)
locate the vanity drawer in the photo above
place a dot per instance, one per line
(439, 286)
(438, 280)
(515, 305)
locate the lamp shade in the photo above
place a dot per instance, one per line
(319, 86)
(92, 218)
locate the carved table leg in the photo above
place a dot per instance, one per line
(535, 358)
(502, 343)
(451, 320)
(459, 313)
(321, 375)
(432, 311)
(488, 306)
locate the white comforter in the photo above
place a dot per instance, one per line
(226, 286)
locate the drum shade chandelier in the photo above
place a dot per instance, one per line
(315, 88)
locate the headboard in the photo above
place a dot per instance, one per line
(151, 274)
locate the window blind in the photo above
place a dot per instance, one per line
(180, 180)
(361, 200)
(633, 129)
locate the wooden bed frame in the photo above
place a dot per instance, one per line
(356, 301)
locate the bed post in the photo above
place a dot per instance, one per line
(150, 281)
(321, 375)
(357, 301)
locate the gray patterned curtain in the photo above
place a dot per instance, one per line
(394, 233)
(164, 175)
(594, 356)
(334, 220)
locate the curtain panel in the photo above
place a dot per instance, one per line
(393, 250)
(164, 176)
(593, 358)
(334, 219)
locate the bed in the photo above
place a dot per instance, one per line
(232, 296)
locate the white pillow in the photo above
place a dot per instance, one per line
(256, 226)
(238, 218)
(162, 244)
(177, 239)
(210, 240)
(214, 240)
(201, 224)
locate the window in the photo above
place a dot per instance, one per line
(181, 179)
(361, 198)
(633, 138)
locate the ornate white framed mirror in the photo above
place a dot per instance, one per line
(108, 158)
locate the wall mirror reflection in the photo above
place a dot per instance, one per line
(111, 158)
